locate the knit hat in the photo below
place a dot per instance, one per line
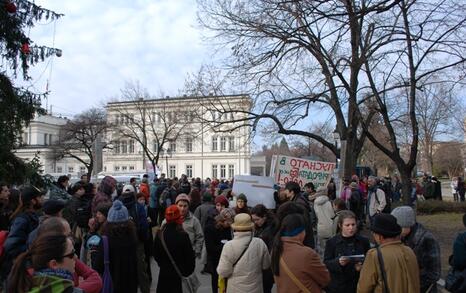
(28, 193)
(207, 197)
(354, 185)
(182, 196)
(172, 215)
(405, 216)
(242, 197)
(118, 213)
(53, 206)
(221, 199)
(242, 222)
(225, 213)
(385, 225)
(128, 188)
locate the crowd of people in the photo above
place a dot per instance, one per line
(102, 237)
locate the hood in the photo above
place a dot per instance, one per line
(321, 200)
(107, 185)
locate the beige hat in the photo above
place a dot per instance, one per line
(242, 222)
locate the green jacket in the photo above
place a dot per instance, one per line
(52, 284)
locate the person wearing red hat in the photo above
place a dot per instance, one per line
(173, 242)
(221, 202)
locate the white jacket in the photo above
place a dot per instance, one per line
(246, 276)
(376, 205)
(325, 214)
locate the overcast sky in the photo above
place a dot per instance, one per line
(106, 43)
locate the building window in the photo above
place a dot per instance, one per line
(131, 168)
(189, 145)
(82, 169)
(231, 143)
(172, 171)
(159, 117)
(223, 143)
(124, 168)
(214, 171)
(231, 116)
(189, 171)
(59, 169)
(191, 116)
(50, 139)
(173, 146)
(223, 171)
(117, 168)
(70, 169)
(45, 138)
(131, 146)
(116, 148)
(155, 146)
(231, 171)
(25, 141)
(105, 168)
(124, 147)
(214, 144)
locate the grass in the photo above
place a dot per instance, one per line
(445, 227)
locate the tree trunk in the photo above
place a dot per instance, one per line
(405, 176)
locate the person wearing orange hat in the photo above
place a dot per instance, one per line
(191, 224)
(173, 240)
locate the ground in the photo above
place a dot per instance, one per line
(445, 227)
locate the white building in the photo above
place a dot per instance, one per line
(197, 150)
(42, 132)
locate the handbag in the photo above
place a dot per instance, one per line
(107, 278)
(293, 278)
(189, 284)
(382, 270)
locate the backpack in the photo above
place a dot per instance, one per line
(83, 212)
(388, 206)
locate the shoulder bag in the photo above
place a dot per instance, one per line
(189, 284)
(382, 270)
(107, 278)
(223, 282)
(293, 278)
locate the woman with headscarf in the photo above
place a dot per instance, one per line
(242, 204)
(179, 246)
(216, 235)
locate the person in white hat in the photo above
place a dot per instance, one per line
(244, 258)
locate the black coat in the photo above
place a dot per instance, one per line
(267, 232)
(123, 262)
(180, 248)
(343, 279)
(213, 242)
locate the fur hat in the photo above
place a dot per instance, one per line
(118, 213)
(243, 222)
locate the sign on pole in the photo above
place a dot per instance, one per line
(258, 189)
(302, 171)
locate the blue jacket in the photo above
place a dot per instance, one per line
(22, 225)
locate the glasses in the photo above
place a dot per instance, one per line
(70, 255)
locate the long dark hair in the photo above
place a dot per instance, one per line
(42, 250)
(289, 223)
(120, 230)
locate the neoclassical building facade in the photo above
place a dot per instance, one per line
(196, 136)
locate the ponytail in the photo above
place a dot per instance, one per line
(19, 279)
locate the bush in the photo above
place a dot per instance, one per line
(434, 207)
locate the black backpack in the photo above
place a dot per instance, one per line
(83, 212)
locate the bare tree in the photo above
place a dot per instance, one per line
(152, 123)
(303, 58)
(448, 159)
(82, 138)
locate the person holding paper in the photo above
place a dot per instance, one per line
(344, 255)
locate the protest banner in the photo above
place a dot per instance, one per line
(302, 171)
(258, 189)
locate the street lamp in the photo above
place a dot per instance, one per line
(340, 145)
(167, 153)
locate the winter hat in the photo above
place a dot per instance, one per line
(207, 197)
(221, 199)
(172, 215)
(405, 216)
(242, 197)
(242, 222)
(354, 185)
(225, 213)
(128, 188)
(53, 206)
(385, 225)
(182, 196)
(103, 208)
(28, 193)
(118, 213)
